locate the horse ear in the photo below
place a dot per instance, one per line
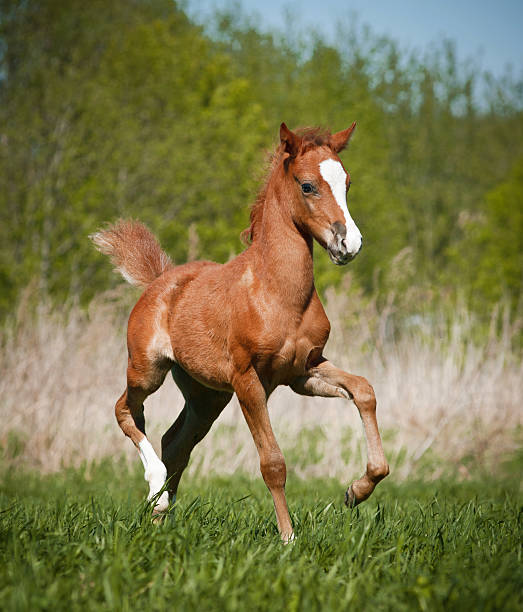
(341, 139)
(290, 140)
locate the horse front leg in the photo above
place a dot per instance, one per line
(326, 380)
(253, 402)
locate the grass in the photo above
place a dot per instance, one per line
(442, 533)
(84, 540)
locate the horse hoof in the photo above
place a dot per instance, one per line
(159, 513)
(161, 504)
(351, 500)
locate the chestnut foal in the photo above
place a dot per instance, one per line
(246, 326)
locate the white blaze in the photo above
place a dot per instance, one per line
(333, 173)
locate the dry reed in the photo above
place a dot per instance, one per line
(440, 394)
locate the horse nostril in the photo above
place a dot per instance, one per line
(343, 243)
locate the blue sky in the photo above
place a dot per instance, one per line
(490, 33)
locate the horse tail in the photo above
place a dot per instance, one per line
(133, 250)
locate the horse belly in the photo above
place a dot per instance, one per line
(202, 357)
(200, 348)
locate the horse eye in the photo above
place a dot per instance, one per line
(307, 188)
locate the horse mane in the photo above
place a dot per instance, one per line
(310, 137)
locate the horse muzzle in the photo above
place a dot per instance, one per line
(344, 245)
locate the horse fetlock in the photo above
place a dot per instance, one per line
(156, 477)
(350, 498)
(161, 503)
(377, 471)
(274, 471)
(359, 491)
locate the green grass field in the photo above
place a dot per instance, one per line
(83, 540)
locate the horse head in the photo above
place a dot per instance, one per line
(318, 185)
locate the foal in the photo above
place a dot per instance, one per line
(246, 326)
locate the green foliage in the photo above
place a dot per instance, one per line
(113, 109)
(494, 241)
(85, 541)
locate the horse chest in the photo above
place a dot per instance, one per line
(299, 346)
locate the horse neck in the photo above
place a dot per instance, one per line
(283, 254)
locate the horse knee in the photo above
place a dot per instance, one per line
(273, 469)
(364, 396)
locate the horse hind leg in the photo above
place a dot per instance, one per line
(142, 380)
(202, 408)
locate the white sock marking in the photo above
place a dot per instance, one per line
(335, 176)
(155, 474)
